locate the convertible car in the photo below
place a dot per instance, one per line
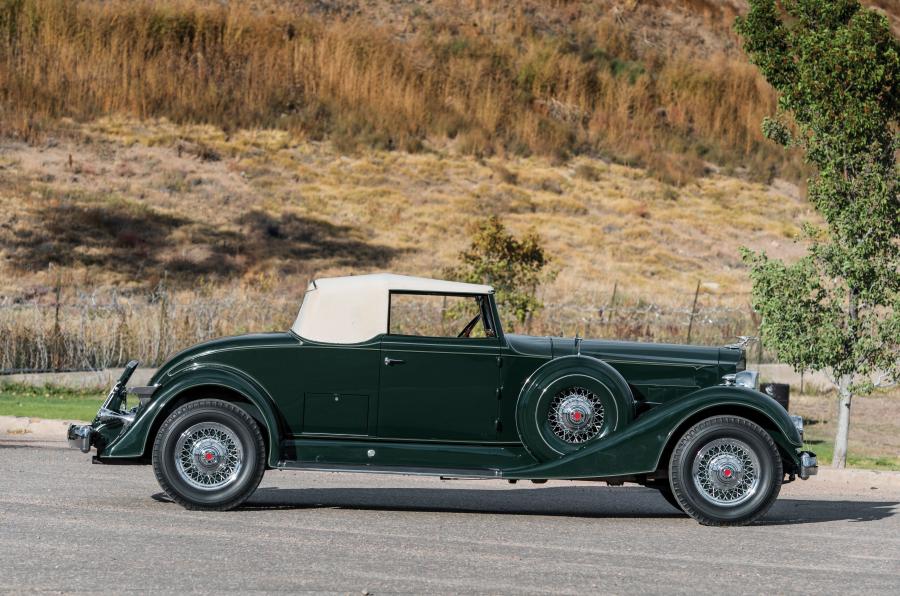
(404, 375)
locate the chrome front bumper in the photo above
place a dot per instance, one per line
(80, 436)
(809, 465)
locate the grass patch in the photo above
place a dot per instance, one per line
(824, 450)
(49, 402)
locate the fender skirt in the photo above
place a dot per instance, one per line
(133, 442)
(637, 448)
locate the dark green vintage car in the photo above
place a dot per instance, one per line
(403, 375)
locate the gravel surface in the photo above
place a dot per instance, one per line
(67, 525)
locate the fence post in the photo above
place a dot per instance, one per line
(693, 312)
(163, 314)
(612, 305)
(58, 293)
(56, 359)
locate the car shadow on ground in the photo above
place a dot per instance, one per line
(572, 501)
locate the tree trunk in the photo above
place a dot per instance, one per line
(839, 460)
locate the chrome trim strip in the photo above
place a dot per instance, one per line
(374, 439)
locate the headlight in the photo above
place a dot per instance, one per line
(745, 378)
(798, 423)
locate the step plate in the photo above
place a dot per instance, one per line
(397, 470)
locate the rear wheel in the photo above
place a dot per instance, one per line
(209, 454)
(725, 471)
(665, 490)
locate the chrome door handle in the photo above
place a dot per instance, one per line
(392, 361)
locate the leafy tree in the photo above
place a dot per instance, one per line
(835, 67)
(513, 267)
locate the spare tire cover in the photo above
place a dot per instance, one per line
(569, 403)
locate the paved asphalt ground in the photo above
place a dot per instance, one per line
(67, 525)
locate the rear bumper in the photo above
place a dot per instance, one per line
(80, 436)
(111, 417)
(809, 465)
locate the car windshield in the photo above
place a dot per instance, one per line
(437, 315)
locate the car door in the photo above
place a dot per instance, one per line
(435, 386)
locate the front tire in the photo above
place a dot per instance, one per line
(725, 471)
(209, 455)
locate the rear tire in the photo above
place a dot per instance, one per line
(209, 455)
(725, 471)
(665, 490)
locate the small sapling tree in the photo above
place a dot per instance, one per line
(513, 267)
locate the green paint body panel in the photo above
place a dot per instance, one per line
(411, 454)
(442, 389)
(637, 448)
(450, 404)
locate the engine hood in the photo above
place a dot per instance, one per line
(554, 347)
(657, 373)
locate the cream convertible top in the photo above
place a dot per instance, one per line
(347, 310)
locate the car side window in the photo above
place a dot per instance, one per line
(437, 315)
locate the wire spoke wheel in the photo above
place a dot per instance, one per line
(576, 415)
(726, 472)
(208, 456)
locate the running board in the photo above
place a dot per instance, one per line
(399, 470)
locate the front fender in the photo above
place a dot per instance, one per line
(133, 442)
(638, 448)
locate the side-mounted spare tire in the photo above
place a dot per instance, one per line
(569, 403)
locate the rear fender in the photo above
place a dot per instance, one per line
(133, 442)
(638, 448)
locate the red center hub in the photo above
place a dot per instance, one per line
(577, 416)
(209, 456)
(727, 472)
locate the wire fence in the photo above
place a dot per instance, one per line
(89, 331)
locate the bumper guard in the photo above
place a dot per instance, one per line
(809, 465)
(80, 436)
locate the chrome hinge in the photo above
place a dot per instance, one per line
(499, 392)
(499, 360)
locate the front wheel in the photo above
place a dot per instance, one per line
(725, 471)
(209, 454)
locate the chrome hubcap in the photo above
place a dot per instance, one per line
(576, 415)
(209, 456)
(726, 472)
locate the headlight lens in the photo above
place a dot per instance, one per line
(745, 378)
(798, 423)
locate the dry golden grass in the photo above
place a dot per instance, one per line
(118, 206)
(655, 84)
(230, 152)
